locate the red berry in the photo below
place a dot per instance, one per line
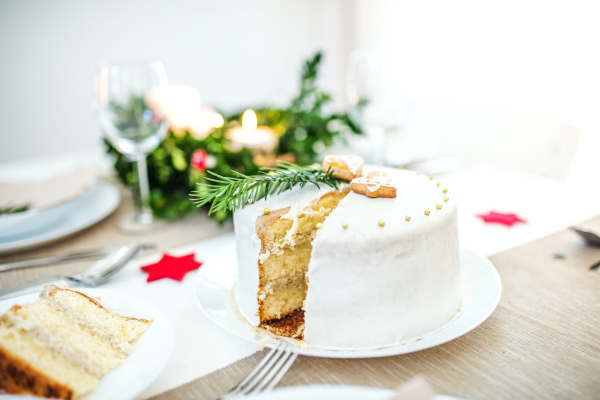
(199, 159)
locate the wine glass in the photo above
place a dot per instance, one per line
(130, 125)
(377, 108)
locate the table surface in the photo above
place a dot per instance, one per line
(542, 339)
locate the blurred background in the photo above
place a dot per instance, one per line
(502, 92)
(533, 56)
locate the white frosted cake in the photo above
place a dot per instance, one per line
(343, 270)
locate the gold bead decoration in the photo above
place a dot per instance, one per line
(266, 211)
(407, 218)
(345, 225)
(250, 201)
(444, 190)
(280, 241)
(401, 167)
(319, 225)
(437, 184)
(431, 178)
(438, 206)
(426, 212)
(381, 223)
(446, 198)
(418, 172)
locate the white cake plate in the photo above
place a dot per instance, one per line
(328, 392)
(150, 352)
(217, 277)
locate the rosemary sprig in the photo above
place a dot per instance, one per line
(232, 193)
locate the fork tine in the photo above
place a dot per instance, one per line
(234, 390)
(282, 372)
(250, 386)
(288, 355)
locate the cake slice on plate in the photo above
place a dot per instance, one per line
(62, 344)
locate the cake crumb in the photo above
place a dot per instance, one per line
(261, 343)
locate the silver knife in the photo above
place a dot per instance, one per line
(86, 255)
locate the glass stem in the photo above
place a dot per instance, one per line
(145, 211)
(377, 135)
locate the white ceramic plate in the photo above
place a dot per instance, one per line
(217, 277)
(329, 392)
(27, 223)
(150, 353)
(92, 207)
(47, 181)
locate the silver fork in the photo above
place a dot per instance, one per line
(267, 374)
(97, 274)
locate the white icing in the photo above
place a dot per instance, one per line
(263, 257)
(369, 286)
(375, 182)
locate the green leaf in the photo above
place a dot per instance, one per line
(178, 160)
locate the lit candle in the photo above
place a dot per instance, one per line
(181, 107)
(251, 135)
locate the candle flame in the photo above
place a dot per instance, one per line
(216, 120)
(353, 96)
(249, 121)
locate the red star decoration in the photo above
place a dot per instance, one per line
(171, 267)
(505, 219)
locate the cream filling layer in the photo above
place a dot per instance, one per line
(46, 339)
(115, 342)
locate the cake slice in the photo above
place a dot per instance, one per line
(115, 329)
(55, 329)
(29, 367)
(59, 346)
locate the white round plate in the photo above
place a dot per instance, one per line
(217, 277)
(328, 392)
(92, 207)
(150, 353)
(27, 223)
